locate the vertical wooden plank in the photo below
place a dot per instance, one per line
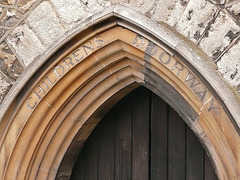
(209, 171)
(106, 148)
(123, 138)
(176, 147)
(194, 157)
(89, 157)
(140, 135)
(122, 143)
(159, 138)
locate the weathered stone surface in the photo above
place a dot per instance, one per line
(4, 87)
(234, 7)
(220, 35)
(229, 66)
(175, 12)
(163, 10)
(103, 3)
(9, 64)
(95, 6)
(24, 5)
(69, 11)
(10, 17)
(218, 2)
(25, 43)
(7, 2)
(45, 23)
(196, 18)
(2, 32)
(1, 11)
(117, 1)
(145, 6)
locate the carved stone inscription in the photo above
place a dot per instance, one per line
(151, 50)
(62, 68)
(178, 68)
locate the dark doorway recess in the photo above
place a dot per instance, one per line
(142, 138)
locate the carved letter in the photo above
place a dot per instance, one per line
(37, 93)
(60, 72)
(164, 60)
(50, 82)
(138, 41)
(29, 105)
(69, 59)
(191, 79)
(179, 68)
(99, 41)
(212, 107)
(45, 84)
(150, 51)
(87, 47)
(76, 55)
(201, 95)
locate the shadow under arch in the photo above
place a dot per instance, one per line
(44, 130)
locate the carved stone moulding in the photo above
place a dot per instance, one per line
(46, 123)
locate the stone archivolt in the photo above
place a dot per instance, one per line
(46, 126)
(44, 123)
(28, 28)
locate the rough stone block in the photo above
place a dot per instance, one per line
(9, 64)
(102, 3)
(234, 7)
(229, 66)
(25, 43)
(145, 6)
(10, 17)
(24, 5)
(173, 12)
(95, 6)
(220, 35)
(2, 32)
(196, 18)
(4, 87)
(7, 2)
(45, 23)
(163, 10)
(69, 11)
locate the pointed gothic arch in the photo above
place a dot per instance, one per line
(50, 119)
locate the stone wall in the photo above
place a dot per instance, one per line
(28, 28)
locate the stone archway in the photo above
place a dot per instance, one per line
(66, 98)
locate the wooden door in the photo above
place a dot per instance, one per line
(142, 138)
